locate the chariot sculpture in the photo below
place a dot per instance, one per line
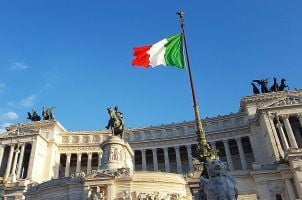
(46, 115)
(264, 88)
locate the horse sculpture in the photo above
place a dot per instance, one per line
(47, 113)
(283, 85)
(275, 86)
(255, 89)
(264, 89)
(33, 116)
(263, 84)
(116, 122)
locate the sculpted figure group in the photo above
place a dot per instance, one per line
(46, 114)
(264, 88)
(219, 185)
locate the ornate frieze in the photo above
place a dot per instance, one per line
(287, 101)
(74, 149)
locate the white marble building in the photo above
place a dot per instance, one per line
(262, 144)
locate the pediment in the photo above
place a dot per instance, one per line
(100, 175)
(285, 101)
(18, 131)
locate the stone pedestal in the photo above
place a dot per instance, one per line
(117, 154)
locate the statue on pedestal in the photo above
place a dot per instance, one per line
(116, 121)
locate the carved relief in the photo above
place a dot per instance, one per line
(154, 196)
(96, 193)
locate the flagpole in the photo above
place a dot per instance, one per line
(203, 152)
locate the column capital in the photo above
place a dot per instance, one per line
(68, 154)
(272, 115)
(79, 155)
(154, 150)
(165, 148)
(143, 150)
(225, 141)
(89, 153)
(299, 115)
(176, 147)
(238, 139)
(285, 116)
(189, 146)
(279, 124)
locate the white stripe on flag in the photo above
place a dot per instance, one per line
(157, 53)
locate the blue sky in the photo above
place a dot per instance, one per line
(76, 56)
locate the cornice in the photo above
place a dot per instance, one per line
(44, 124)
(255, 99)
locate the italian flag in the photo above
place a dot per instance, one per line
(167, 52)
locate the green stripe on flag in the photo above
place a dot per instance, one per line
(174, 52)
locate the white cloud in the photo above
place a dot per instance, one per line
(2, 87)
(28, 101)
(19, 66)
(10, 116)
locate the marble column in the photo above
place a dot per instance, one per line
(32, 161)
(254, 146)
(290, 189)
(144, 164)
(178, 160)
(299, 115)
(9, 161)
(20, 163)
(67, 168)
(89, 162)
(2, 148)
(155, 162)
(241, 154)
(17, 151)
(274, 148)
(282, 135)
(228, 154)
(289, 132)
(190, 159)
(79, 159)
(167, 162)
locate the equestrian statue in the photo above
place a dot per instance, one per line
(116, 121)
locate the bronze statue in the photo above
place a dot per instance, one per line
(283, 85)
(116, 122)
(47, 113)
(263, 84)
(255, 89)
(275, 86)
(33, 116)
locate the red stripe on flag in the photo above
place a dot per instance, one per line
(141, 56)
